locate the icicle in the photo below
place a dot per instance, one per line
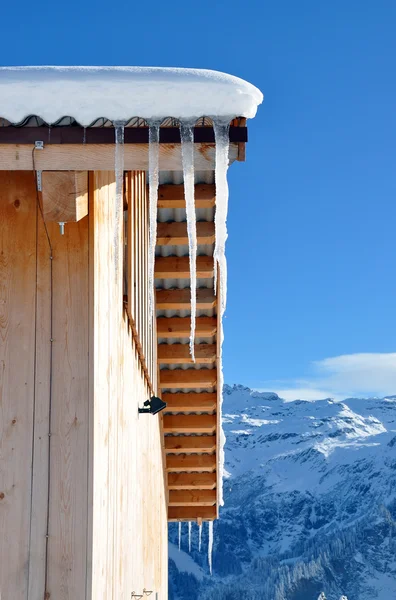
(153, 200)
(210, 546)
(200, 537)
(220, 383)
(119, 174)
(221, 129)
(187, 145)
(179, 535)
(189, 536)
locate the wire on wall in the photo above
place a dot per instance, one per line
(40, 211)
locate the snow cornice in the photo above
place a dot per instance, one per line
(117, 93)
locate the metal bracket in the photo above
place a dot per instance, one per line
(39, 145)
(39, 181)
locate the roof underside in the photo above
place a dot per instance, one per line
(191, 423)
(102, 131)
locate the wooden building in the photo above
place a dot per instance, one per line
(87, 483)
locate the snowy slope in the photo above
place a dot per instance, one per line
(309, 501)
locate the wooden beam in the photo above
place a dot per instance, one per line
(187, 444)
(65, 195)
(178, 267)
(181, 299)
(193, 402)
(172, 196)
(18, 329)
(172, 354)
(179, 327)
(175, 234)
(242, 145)
(100, 157)
(192, 498)
(188, 378)
(187, 481)
(73, 134)
(192, 513)
(190, 423)
(191, 463)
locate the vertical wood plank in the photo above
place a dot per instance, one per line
(100, 265)
(139, 306)
(17, 344)
(129, 537)
(112, 358)
(91, 390)
(117, 350)
(136, 249)
(131, 246)
(145, 269)
(67, 544)
(39, 516)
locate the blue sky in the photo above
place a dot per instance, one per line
(312, 266)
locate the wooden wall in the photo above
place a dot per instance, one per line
(17, 377)
(95, 485)
(129, 503)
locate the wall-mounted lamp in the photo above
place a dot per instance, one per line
(153, 406)
(133, 595)
(147, 592)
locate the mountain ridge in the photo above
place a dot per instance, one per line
(306, 483)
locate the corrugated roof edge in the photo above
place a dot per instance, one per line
(101, 122)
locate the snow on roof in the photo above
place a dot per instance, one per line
(120, 93)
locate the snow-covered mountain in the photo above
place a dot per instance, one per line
(310, 504)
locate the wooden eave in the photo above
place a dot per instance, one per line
(75, 148)
(191, 422)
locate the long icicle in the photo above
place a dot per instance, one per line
(210, 545)
(153, 201)
(200, 537)
(221, 129)
(189, 536)
(119, 175)
(187, 145)
(179, 535)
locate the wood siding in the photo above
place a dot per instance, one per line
(129, 503)
(143, 324)
(17, 367)
(97, 481)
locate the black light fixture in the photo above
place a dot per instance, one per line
(153, 406)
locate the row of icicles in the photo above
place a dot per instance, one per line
(221, 130)
(210, 540)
